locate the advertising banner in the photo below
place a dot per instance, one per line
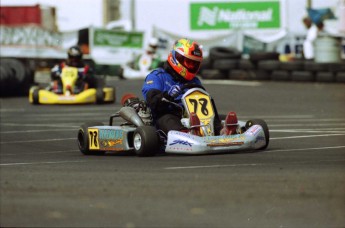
(114, 47)
(235, 15)
(30, 42)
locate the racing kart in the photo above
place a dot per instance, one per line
(70, 94)
(139, 135)
(140, 69)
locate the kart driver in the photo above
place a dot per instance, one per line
(165, 83)
(74, 60)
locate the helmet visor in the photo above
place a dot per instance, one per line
(191, 65)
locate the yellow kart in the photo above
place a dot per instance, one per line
(69, 77)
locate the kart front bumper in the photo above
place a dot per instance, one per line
(184, 143)
(86, 97)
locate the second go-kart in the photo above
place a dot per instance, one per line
(137, 133)
(70, 93)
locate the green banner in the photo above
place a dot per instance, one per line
(123, 39)
(233, 15)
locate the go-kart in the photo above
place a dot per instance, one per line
(139, 135)
(140, 69)
(70, 94)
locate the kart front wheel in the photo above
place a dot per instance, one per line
(145, 141)
(83, 139)
(35, 97)
(264, 126)
(99, 96)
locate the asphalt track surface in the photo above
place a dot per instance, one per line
(299, 181)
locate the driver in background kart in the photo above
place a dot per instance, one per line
(165, 83)
(74, 60)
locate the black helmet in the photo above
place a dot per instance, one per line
(74, 56)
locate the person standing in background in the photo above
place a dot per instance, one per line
(312, 33)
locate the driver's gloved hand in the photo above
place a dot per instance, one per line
(174, 91)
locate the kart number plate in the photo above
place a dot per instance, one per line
(70, 72)
(93, 139)
(200, 104)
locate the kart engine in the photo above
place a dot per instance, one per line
(140, 106)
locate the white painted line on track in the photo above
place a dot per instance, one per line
(46, 152)
(306, 124)
(39, 125)
(39, 140)
(34, 131)
(12, 110)
(306, 136)
(279, 117)
(59, 115)
(38, 163)
(309, 131)
(315, 120)
(301, 149)
(246, 165)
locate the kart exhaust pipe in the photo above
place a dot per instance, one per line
(129, 114)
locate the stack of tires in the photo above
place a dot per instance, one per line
(220, 62)
(226, 63)
(15, 78)
(307, 71)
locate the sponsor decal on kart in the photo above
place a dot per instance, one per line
(111, 143)
(110, 134)
(111, 139)
(259, 138)
(66, 98)
(226, 141)
(224, 138)
(254, 130)
(181, 142)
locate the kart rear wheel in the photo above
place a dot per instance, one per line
(145, 141)
(83, 139)
(264, 126)
(99, 96)
(35, 97)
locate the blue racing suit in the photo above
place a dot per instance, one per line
(156, 86)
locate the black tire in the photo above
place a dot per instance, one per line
(261, 75)
(224, 53)
(83, 139)
(302, 76)
(340, 77)
(205, 64)
(35, 97)
(17, 68)
(324, 76)
(5, 86)
(99, 96)
(245, 64)
(336, 67)
(259, 56)
(225, 64)
(313, 66)
(264, 126)
(239, 75)
(269, 65)
(213, 74)
(146, 142)
(293, 66)
(280, 75)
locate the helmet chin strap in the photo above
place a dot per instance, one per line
(173, 73)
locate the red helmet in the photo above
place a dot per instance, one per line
(185, 58)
